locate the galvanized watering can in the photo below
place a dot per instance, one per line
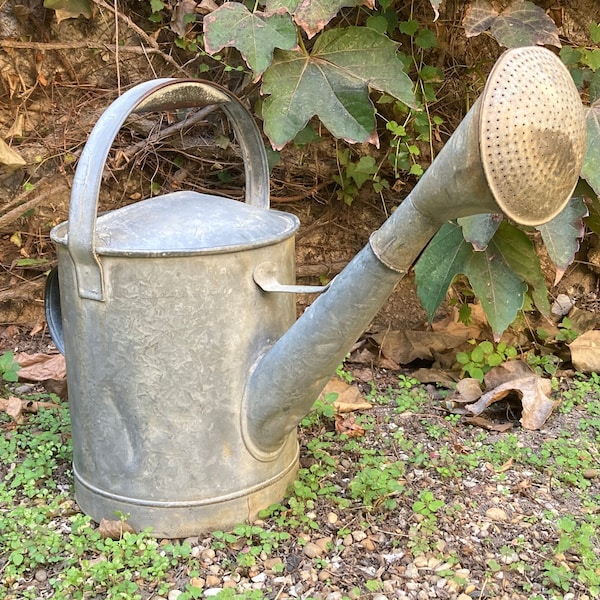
(187, 370)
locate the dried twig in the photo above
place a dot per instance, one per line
(41, 192)
(92, 45)
(143, 35)
(156, 136)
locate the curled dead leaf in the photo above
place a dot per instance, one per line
(468, 390)
(533, 392)
(346, 425)
(15, 407)
(9, 157)
(585, 352)
(506, 466)
(41, 367)
(348, 398)
(507, 371)
(114, 529)
(404, 347)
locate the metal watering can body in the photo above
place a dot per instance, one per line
(187, 373)
(160, 320)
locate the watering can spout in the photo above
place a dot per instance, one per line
(519, 151)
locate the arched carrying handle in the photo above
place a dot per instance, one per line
(159, 94)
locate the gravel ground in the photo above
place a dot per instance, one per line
(494, 534)
(414, 503)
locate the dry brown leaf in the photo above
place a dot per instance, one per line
(585, 352)
(41, 367)
(15, 407)
(532, 390)
(114, 529)
(9, 157)
(182, 10)
(444, 378)
(453, 326)
(506, 466)
(349, 397)
(584, 320)
(468, 389)
(347, 426)
(207, 6)
(405, 346)
(507, 371)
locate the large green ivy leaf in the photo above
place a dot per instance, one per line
(479, 17)
(333, 83)
(280, 6)
(313, 15)
(593, 221)
(480, 229)
(491, 273)
(255, 35)
(519, 254)
(444, 258)
(561, 235)
(591, 163)
(499, 289)
(522, 23)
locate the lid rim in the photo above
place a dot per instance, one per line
(185, 223)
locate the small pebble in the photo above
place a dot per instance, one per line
(411, 571)
(496, 514)
(312, 550)
(368, 544)
(359, 535)
(212, 581)
(24, 389)
(208, 555)
(324, 543)
(174, 594)
(41, 575)
(197, 582)
(562, 305)
(421, 562)
(271, 562)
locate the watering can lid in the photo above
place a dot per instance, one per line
(186, 223)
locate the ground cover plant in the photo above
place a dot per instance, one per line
(418, 502)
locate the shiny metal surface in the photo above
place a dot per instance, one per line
(187, 379)
(532, 130)
(161, 323)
